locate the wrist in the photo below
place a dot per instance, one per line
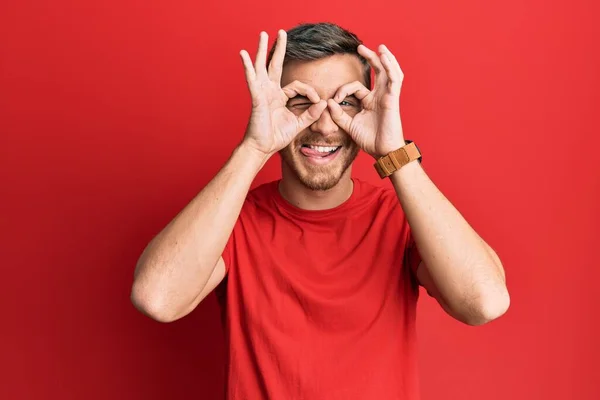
(252, 154)
(398, 159)
(385, 150)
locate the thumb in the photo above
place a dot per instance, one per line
(311, 115)
(338, 115)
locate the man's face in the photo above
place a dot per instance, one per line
(321, 153)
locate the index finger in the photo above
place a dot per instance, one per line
(355, 88)
(375, 62)
(276, 64)
(299, 88)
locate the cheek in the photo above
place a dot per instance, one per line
(352, 150)
(352, 110)
(297, 110)
(302, 137)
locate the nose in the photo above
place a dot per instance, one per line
(325, 125)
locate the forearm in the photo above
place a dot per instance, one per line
(465, 271)
(177, 263)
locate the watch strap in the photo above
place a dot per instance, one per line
(396, 159)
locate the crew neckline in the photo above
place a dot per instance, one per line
(281, 201)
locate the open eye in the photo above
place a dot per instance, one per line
(350, 103)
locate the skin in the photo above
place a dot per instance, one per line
(322, 186)
(321, 102)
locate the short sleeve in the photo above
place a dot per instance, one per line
(228, 250)
(411, 256)
(228, 254)
(221, 289)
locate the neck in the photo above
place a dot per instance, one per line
(294, 191)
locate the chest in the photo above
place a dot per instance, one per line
(344, 275)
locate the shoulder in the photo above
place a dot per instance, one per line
(262, 191)
(382, 193)
(259, 196)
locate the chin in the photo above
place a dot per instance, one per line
(320, 182)
(319, 173)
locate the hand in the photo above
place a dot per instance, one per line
(377, 128)
(272, 126)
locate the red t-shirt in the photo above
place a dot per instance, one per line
(321, 304)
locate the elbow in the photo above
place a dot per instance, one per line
(147, 295)
(488, 308)
(151, 305)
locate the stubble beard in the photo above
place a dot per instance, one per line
(319, 177)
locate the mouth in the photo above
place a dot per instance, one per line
(317, 154)
(318, 151)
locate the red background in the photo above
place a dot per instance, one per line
(114, 114)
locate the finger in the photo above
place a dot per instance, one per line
(299, 88)
(383, 49)
(311, 115)
(248, 67)
(338, 115)
(392, 68)
(276, 64)
(355, 88)
(261, 54)
(375, 63)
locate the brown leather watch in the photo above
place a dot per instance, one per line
(395, 160)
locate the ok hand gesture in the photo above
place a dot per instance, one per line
(377, 129)
(272, 126)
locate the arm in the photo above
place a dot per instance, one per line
(458, 268)
(183, 263)
(172, 273)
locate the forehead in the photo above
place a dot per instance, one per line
(325, 75)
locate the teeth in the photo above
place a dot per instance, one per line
(323, 149)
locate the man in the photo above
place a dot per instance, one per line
(319, 273)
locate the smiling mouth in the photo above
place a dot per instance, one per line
(318, 151)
